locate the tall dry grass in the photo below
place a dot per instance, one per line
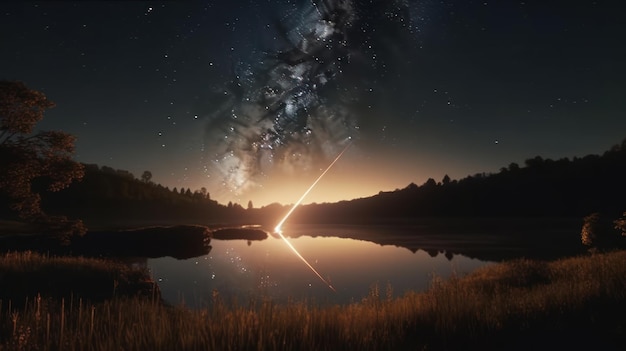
(571, 303)
(26, 274)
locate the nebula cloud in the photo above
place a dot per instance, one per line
(295, 107)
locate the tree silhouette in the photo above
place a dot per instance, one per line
(445, 180)
(26, 157)
(535, 162)
(250, 205)
(430, 183)
(513, 167)
(146, 176)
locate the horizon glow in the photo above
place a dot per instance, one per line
(278, 230)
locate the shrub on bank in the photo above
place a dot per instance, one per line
(29, 274)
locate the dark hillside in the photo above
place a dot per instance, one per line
(542, 187)
(108, 196)
(539, 188)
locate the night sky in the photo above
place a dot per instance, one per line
(254, 99)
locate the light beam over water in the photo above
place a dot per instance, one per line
(278, 230)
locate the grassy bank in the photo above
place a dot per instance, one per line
(28, 274)
(178, 241)
(576, 303)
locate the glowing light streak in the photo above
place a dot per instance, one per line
(293, 208)
(278, 231)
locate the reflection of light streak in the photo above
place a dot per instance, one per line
(278, 231)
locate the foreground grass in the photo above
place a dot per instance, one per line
(24, 275)
(576, 303)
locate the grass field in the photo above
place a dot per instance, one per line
(574, 303)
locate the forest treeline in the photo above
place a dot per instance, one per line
(107, 196)
(540, 187)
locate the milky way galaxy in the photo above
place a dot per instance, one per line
(251, 99)
(296, 106)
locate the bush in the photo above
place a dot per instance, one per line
(598, 233)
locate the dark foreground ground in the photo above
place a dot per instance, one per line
(576, 303)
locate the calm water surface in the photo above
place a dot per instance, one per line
(243, 270)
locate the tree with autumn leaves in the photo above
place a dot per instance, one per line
(28, 156)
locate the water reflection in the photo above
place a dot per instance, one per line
(236, 270)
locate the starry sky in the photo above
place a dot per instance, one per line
(254, 99)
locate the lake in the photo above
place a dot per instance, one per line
(242, 270)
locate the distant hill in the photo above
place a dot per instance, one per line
(107, 197)
(541, 187)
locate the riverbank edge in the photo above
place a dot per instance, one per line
(574, 302)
